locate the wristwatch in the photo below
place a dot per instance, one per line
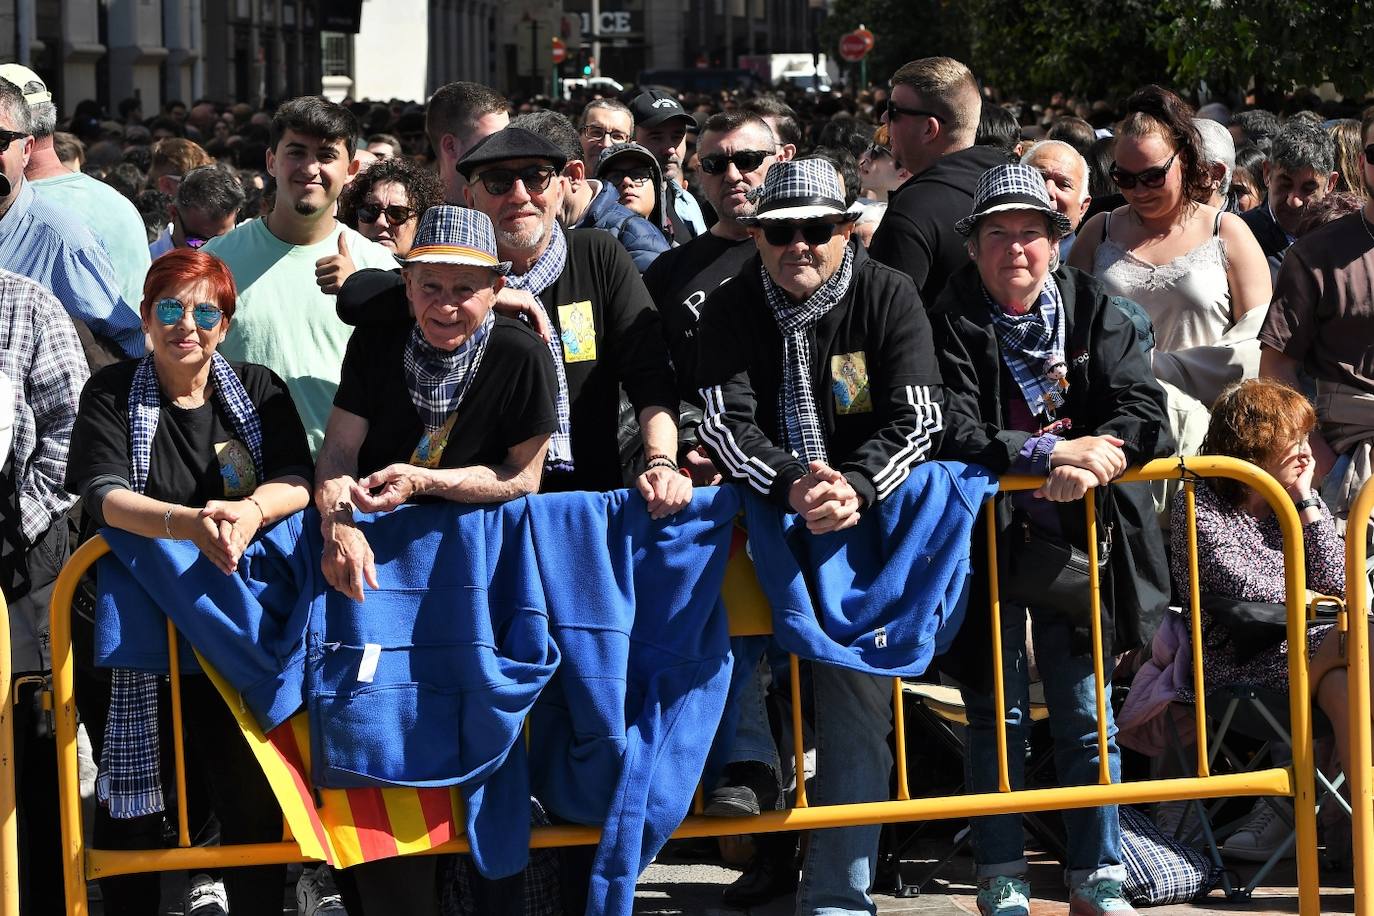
(1311, 502)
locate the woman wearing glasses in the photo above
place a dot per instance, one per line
(634, 173)
(385, 202)
(183, 444)
(1197, 271)
(879, 171)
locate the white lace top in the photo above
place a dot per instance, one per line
(1188, 298)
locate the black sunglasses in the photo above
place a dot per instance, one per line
(639, 175)
(1151, 178)
(877, 151)
(9, 136)
(535, 178)
(813, 233)
(1369, 154)
(395, 213)
(894, 111)
(746, 160)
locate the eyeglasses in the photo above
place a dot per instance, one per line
(813, 233)
(746, 160)
(596, 134)
(395, 213)
(638, 176)
(535, 178)
(9, 136)
(206, 316)
(895, 111)
(1369, 154)
(1150, 178)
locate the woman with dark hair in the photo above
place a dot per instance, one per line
(1247, 181)
(386, 200)
(1196, 270)
(185, 445)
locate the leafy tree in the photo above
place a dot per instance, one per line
(903, 30)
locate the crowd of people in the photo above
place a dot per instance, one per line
(217, 317)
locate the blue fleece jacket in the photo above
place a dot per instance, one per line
(889, 593)
(641, 238)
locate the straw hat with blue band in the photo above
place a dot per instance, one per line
(801, 189)
(1013, 187)
(456, 235)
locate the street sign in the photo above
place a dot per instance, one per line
(855, 45)
(560, 50)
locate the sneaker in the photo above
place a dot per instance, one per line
(1003, 896)
(205, 896)
(1260, 837)
(1176, 820)
(745, 789)
(1098, 898)
(316, 894)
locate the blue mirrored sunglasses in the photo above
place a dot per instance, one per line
(206, 316)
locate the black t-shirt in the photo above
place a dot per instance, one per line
(196, 455)
(679, 281)
(512, 398)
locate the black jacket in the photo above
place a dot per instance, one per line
(1111, 391)
(878, 334)
(599, 283)
(917, 233)
(1270, 235)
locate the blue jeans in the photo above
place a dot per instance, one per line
(1094, 834)
(853, 764)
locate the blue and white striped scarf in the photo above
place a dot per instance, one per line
(797, 414)
(438, 379)
(541, 275)
(130, 777)
(1028, 343)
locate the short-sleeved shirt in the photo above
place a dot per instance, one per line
(196, 455)
(112, 219)
(283, 320)
(1322, 314)
(510, 400)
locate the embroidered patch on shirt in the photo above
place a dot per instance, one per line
(579, 332)
(849, 374)
(236, 469)
(880, 638)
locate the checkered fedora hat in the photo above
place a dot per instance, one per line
(1013, 187)
(456, 235)
(799, 189)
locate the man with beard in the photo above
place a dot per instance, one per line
(284, 320)
(661, 127)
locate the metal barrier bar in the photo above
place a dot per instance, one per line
(1357, 674)
(1204, 766)
(1295, 782)
(9, 813)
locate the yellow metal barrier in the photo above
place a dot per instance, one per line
(1357, 673)
(1296, 781)
(9, 815)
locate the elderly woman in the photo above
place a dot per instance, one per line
(385, 202)
(183, 444)
(452, 402)
(1043, 376)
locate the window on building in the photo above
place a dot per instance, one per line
(336, 54)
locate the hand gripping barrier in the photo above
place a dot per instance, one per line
(750, 616)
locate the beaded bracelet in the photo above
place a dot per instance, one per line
(661, 461)
(167, 520)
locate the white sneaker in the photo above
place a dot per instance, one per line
(1261, 835)
(316, 894)
(205, 896)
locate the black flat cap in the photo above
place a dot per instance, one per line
(653, 107)
(510, 143)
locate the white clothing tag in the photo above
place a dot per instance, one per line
(367, 668)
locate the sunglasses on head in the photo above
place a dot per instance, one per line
(9, 136)
(638, 175)
(206, 316)
(535, 178)
(395, 213)
(780, 235)
(1151, 178)
(746, 160)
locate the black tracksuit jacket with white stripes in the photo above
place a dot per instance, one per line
(878, 334)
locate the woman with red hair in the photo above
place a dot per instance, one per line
(184, 444)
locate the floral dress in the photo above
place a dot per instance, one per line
(1241, 557)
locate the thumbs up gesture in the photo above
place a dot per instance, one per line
(332, 271)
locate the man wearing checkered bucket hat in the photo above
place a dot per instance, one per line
(821, 392)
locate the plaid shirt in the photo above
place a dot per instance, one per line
(42, 357)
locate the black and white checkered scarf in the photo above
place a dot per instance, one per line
(438, 379)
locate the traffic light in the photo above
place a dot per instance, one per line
(588, 67)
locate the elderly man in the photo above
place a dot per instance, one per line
(932, 117)
(604, 123)
(1066, 179)
(661, 127)
(1300, 169)
(811, 299)
(49, 244)
(457, 116)
(605, 332)
(207, 206)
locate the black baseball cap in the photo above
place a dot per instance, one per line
(653, 107)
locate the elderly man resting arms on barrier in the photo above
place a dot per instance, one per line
(452, 402)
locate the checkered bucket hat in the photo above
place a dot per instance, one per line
(1013, 187)
(797, 190)
(456, 235)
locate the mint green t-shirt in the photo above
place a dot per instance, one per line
(283, 321)
(112, 219)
